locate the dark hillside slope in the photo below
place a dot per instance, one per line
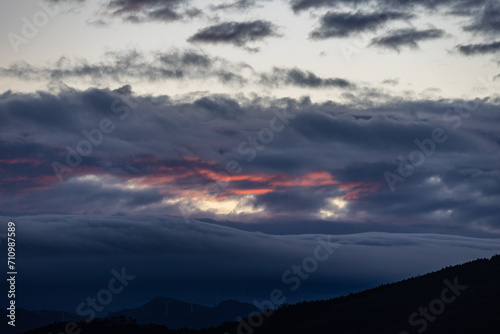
(387, 309)
(461, 299)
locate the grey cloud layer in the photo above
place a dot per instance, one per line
(396, 39)
(487, 21)
(149, 10)
(483, 18)
(346, 24)
(479, 49)
(344, 18)
(203, 260)
(140, 11)
(301, 5)
(238, 5)
(300, 78)
(236, 33)
(134, 64)
(458, 184)
(123, 65)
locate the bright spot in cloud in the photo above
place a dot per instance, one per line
(334, 209)
(434, 179)
(226, 206)
(86, 178)
(338, 202)
(442, 214)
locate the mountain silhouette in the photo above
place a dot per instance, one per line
(462, 299)
(174, 313)
(27, 319)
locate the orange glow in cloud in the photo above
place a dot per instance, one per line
(199, 160)
(252, 191)
(146, 160)
(165, 183)
(312, 179)
(16, 161)
(163, 178)
(194, 180)
(15, 179)
(357, 190)
(228, 178)
(27, 184)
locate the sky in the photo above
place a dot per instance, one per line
(130, 129)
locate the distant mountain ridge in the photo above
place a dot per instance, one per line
(175, 314)
(164, 311)
(26, 319)
(462, 299)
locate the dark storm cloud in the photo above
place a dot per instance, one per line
(487, 21)
(238, 5)
(295, 156)
(483, 16)
(301, 78)
(174, 259)
(397, 39)
(335, 24)
(81, 195)
(291, 201)
(479, 49)
(438, 205)
(236, 33)
(456, 6)
(299, 5)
